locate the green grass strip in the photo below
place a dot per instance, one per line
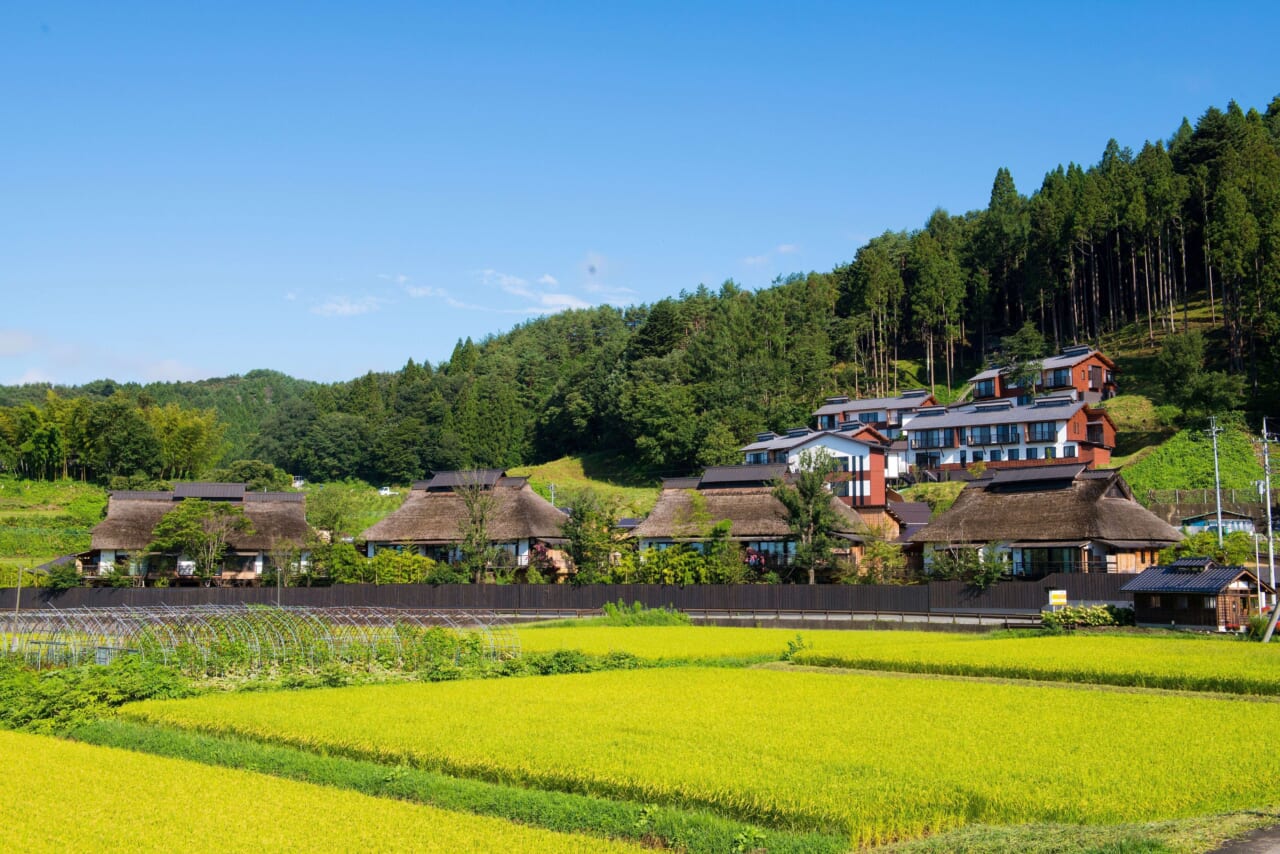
(1177, 836)
(694, 831)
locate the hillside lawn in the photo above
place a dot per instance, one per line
(41, 520)
(612, 476)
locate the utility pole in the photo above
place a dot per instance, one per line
(1266, 468)
(1271, 550)
(1214, 430)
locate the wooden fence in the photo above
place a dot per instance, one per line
(1027, 597)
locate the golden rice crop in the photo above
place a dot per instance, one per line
(63, 796)
(880, 757)
(1190, 663)
(1195, 664)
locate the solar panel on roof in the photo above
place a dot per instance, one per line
(450, 479)
(223, 491)
(1036, 473)
(743, 474)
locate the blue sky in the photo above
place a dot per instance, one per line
(196, 190)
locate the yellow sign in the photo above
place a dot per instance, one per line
(1057, 597)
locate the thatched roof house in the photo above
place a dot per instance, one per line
(123, 536)
(434, 514)
(688, 507)
(1063, 518)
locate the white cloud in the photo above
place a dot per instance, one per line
(33, 375)
(787, 249)
(398, 278)
(342, 306)
(507, 282)
(420, 291)
(15, 342)
(558, 302)
(607, 290)
(292, 296)
(756, 260)
(540, 297)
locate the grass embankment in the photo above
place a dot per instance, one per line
(78, 797)
(798, 750)
(41, 520)
(1186, 462)
(610, 475)
(939, 496)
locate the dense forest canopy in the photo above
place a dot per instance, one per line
(685, 380)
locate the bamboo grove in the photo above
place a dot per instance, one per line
(1131, 242)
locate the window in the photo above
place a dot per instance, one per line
(1155, 601)
(1211, 603)
(869, 417)
(978, 456)
(1050, 453)
(996, 455)
(962, 458)
(979, 435)
(1069, 451)
(943, 438)
(985, 388)
(1058, 378)
(757, 458)
(1033, 453)
(1042, 431)
(928, 461)
(1014, 455)
(1180, 603)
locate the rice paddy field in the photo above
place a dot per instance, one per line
(876, 757)
(1160, 661)
(65, 796)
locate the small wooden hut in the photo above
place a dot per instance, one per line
(1195, 593)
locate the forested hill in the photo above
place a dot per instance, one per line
(1130, 239)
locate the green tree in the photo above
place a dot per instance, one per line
(589, 530)
(810, 515)
(333, 507)
(480, 505)
(256, 475)
(1021, 355)
(202, 530)
(1180, 368)
(124, 442)
(1236, 548)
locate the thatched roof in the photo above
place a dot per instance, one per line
(130, 520)
(753, 510)
(433, 517)
(1084, 505)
